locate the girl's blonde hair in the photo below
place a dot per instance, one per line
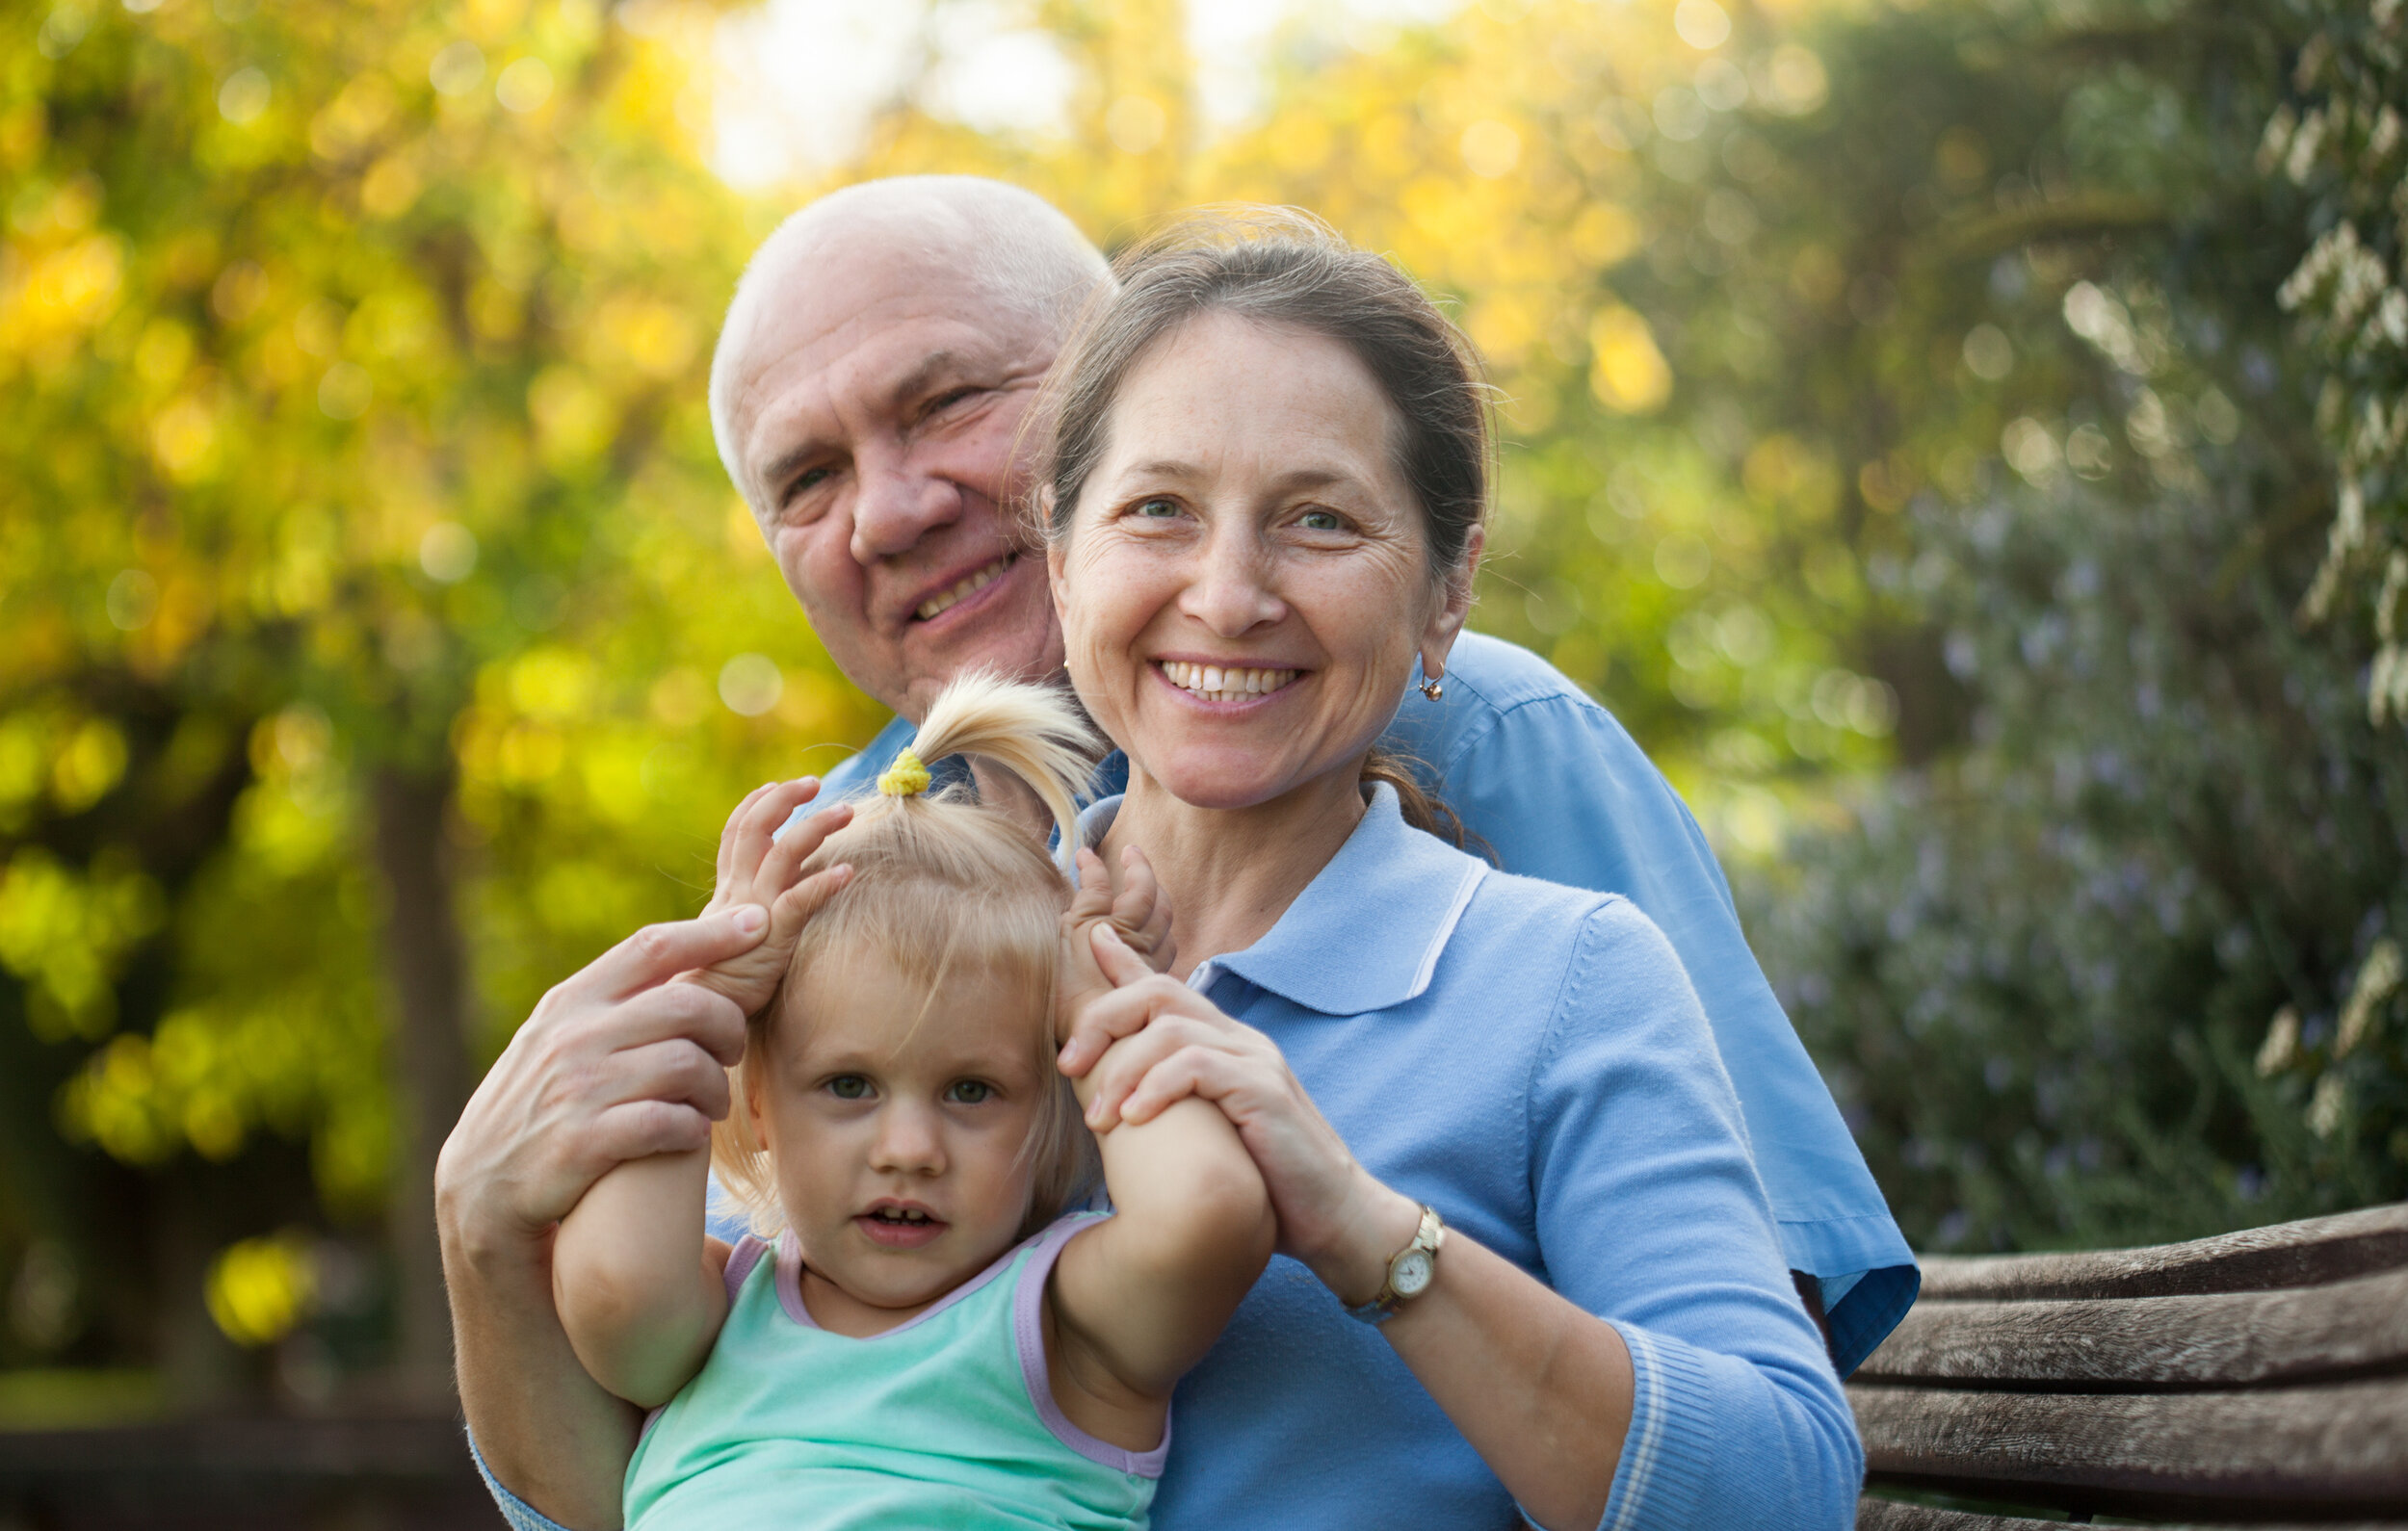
(942, 886)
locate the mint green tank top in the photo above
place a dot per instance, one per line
(947, 1421)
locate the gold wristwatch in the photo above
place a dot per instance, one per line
(1410, 1271)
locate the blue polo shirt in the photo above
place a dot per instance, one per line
(1531, 1060)
(1560, 791)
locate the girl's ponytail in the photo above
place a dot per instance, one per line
(1034, 732)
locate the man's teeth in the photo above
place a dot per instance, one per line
(936, 604)
(1216, 682)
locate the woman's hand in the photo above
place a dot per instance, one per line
(1152, 1040)
(1136, 909)
(759, 866)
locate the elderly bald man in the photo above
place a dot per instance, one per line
(872, 378)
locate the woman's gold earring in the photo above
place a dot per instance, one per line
(1433, 690)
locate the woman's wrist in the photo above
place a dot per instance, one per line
(1355, 1264)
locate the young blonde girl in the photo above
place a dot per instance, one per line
(921, 1331)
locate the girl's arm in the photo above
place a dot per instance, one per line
(639, 1288)
(1138, 1299)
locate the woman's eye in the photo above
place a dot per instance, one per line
(849, 1087)
(969, 1092)
(1157, 507)
(1321, 521)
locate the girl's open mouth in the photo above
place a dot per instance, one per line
(899, 1228)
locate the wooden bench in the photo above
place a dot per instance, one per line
(2256, 1377)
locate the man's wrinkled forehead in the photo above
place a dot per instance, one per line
(850, 333)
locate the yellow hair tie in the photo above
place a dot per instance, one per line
(907, 777)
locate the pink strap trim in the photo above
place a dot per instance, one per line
(740, 1260)
(1028, 1328)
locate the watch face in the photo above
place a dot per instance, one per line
(1410, 1276)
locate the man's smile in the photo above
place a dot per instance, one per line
(954, 594)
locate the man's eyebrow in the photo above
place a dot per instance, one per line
(919, 379)
(912, 385)
(786, 463)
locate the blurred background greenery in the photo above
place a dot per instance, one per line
(1962, 439)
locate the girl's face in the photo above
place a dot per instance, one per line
(898, 1128)
(1246, 578)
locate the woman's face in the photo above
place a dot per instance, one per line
(1245, 578)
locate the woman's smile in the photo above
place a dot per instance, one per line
(1228, 683)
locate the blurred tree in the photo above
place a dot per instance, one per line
(2113, 961)
(2345, 141)
(362, 521)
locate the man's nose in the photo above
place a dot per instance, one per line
(895, 503)
(1230, 588)
(908, 1140)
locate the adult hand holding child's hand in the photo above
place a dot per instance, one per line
(1135, 909)
(759, 866)
(1149, 1041)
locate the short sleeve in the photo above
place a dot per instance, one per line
(521, 1515)
(1650, 1215)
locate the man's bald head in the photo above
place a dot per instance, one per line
(1016, 248)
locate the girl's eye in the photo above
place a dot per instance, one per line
(969, 1092)
(849, 1087)
(1157, 507)
(1320, 521)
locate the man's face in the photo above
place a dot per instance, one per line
(874, 416)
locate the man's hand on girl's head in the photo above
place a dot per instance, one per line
(617, 1062)
(1134, 908)
(760, 865)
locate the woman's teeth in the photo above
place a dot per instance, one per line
(1216, 682)
(935, 605)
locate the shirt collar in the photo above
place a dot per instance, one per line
(1366, 933)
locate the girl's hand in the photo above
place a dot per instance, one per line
(1137, 911)
(1152, 1041)
(759, 866)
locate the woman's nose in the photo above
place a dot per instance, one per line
(895, 503)
(907, 1141)
(1230, 591)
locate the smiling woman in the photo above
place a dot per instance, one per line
(1335, 421)
(1487, 1111)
